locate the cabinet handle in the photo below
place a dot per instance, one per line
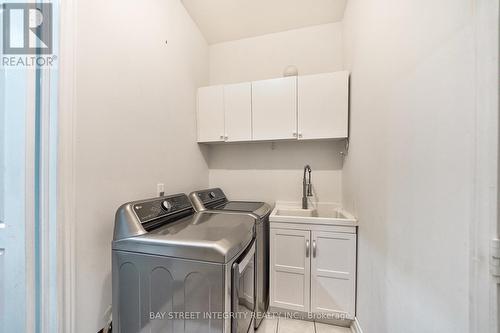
(226, 137)
(314, 248)
(222, 136)
(300, 134)
(294, 134)
(307, 248)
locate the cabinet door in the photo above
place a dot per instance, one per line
(274, 109)
(238, 111)
(290, 269)
(323, 105)
(333, 273)
(210, 114)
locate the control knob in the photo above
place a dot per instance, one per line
(166, 205)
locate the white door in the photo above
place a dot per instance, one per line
(333, 273)
(29, 189)
(323, 105)
(238, 111)
(17, 250)
(290, 269)
(274, 109)
(210, 114)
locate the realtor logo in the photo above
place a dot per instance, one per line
(27, 28)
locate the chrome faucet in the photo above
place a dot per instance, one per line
(306, 187)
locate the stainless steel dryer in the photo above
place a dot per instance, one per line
(214, 200)
(175, 270)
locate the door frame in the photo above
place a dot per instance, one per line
(30, 200)
(66, 210)
(484, 226)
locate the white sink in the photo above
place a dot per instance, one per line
(320, 213)
(311, 212)
(296, 212)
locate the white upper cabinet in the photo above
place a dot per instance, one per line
(210, 114)
(323, 105)
(238, 112)
(300, 107)
(274, 109)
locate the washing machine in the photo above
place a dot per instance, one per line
(179, 271)
(214, 200)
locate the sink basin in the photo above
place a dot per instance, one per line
(334, 214)
(311, 212)
(321, 213)
(295, 212)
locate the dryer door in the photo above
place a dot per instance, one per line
(243, 292)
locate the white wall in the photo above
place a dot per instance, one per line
(409, 173)
(267, 172)
(135, 125)
(255, 171)
(313, 50)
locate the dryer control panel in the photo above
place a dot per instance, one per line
(210, 195)
(153, 209)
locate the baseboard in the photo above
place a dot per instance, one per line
(355, 327)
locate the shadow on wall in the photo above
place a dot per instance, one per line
(292, 155)
(106, 296)
(205, 152)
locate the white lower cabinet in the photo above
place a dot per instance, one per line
(313, 271)
(333, 273)
(290, 269)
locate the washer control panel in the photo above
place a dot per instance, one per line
(160, 207)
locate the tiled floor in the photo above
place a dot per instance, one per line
(286, 325)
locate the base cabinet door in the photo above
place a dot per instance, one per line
(333, 273)
(290, 269)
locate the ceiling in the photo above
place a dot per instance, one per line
(225, 20)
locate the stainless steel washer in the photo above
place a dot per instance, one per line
(214, 200)
(175, 270)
